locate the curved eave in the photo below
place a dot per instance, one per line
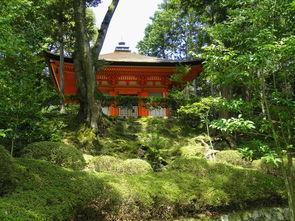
(49, 56)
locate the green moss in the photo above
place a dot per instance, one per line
(266, 167)
(105, 164)
(58, 153)
(186, 187)
(135, 166)
(47, 192)
(7, 167)
(110, 164)
(232, 157)
(193, 150)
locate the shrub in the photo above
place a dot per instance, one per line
(254, 149)
(231, 156)
(7, 167)
(114, 165)
(58, 153)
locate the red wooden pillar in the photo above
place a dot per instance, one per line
(142, 110)
(114, 110)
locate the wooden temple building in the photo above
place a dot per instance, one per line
(127, 73)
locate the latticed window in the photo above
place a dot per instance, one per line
(157, 112)
(128, 111)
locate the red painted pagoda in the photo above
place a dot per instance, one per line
(127, 73)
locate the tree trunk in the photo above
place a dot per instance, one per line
(226, 92)
(289, 177)
(103, 29)
(84, 69)
(61, 71)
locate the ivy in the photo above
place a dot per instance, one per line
(129, 101)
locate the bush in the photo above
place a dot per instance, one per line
(232, 157)
(254, 149)
(7, 167)
(58, 153)
(110, 164)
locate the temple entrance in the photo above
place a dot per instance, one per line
(131, 111)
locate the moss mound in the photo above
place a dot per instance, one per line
(107, 164)
(266, 167)
(110, 164)
(7, 167)
(47, 192)
(193, 150)
(232, 157)
(186, 187)
(58, 153)
(135, 166)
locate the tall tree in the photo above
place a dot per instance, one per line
(85, 60)
(252, 51)
(173, 33)
(23, 84)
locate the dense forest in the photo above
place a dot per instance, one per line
(227, 150)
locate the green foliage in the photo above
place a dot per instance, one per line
(58, 153)
(24, 88)
(233, 157)
(254, 149)
(200, 109)
(7, 177)
(154, 149)
(180, 72)
(233, 124)
(173, 32)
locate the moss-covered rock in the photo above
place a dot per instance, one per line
(58, 153)
(232, 157)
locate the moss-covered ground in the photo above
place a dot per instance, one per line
(182, 183)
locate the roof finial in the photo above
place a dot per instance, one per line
(122, 47)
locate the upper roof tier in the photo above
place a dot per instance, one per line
(130, 57)
(123, 56)
(123, 53)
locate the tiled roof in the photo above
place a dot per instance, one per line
(120, 56)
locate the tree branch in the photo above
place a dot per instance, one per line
(103, 29)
